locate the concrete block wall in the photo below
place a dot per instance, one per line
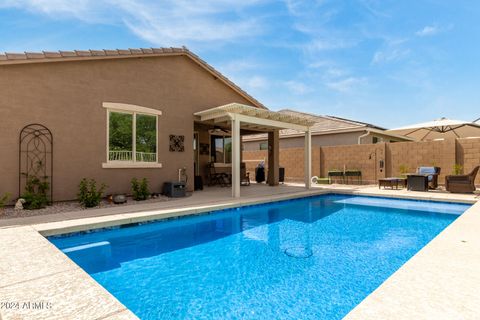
(252, 159)
(468, 154)
(364, 157)
(368, 157)
(292, 159)
(440, 153)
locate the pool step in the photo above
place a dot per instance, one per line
(94, 257)
(90, 246)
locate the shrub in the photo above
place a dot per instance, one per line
(4, 199)
(88, 195)
(457, 169)
(35, 194)
(403, 169)
(140, 189)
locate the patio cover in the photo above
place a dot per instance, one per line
(251, 118)
(439, 129)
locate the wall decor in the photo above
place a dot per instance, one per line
(36, 156)
(204, 149)
(177, 143)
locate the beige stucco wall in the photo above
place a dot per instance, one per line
(67, 98)
(317, 140)
(336, 139)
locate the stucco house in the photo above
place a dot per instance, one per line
(113, 115)
(326, 131)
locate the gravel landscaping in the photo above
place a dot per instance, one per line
(60, 207)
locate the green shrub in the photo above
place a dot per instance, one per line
(457, 169)
(88, 194)
(140, 189)
(4, 199)
(403, 169)
(35, 194)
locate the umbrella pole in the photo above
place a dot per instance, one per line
(429, 130)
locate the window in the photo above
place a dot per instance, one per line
(221, 149)
(374, 140)
(132, 136)
(120, 133)
(263, 145)
(146, 135)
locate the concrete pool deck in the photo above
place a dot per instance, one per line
(441, 280)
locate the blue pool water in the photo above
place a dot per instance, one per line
(310, 258)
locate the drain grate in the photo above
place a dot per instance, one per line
(299, 252)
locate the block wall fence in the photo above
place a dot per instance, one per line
(376, 160)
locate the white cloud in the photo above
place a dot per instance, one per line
(319, 64)
(85, 10)
(178, 22)
(257, 82)
(301, 7)
(375, 8)
(297, 87)
(392, 50)
(333, 43)
(336, 72)
(428, 31)
(347, 84)
(166, 23)
(238, 65)
(390, 55)
(433, 30)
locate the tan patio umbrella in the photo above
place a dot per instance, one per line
(439, 129)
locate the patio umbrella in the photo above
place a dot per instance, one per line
(439, 129)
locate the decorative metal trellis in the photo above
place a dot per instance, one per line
(36, 156)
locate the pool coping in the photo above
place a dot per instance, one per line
(118, 310)
(441, 281)
(83, 224)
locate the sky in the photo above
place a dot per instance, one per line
(387, 62)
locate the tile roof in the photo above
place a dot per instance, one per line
(323, 124)
(58, 56)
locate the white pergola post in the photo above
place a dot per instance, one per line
(236, 150)
(308, 159)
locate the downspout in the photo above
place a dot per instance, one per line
(363, 136)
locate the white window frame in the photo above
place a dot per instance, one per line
(133, 110)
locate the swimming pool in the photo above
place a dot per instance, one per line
(309, 258)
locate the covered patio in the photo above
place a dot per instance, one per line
(238, 119)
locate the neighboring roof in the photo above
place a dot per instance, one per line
(358, 122)
(272, 118)
(63, 56)
(321, 125)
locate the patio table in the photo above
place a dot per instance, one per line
(391, 182)
(417, 182)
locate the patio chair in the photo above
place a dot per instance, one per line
(433, 173)
(215, 177)
(464, 183)
(244, 175)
